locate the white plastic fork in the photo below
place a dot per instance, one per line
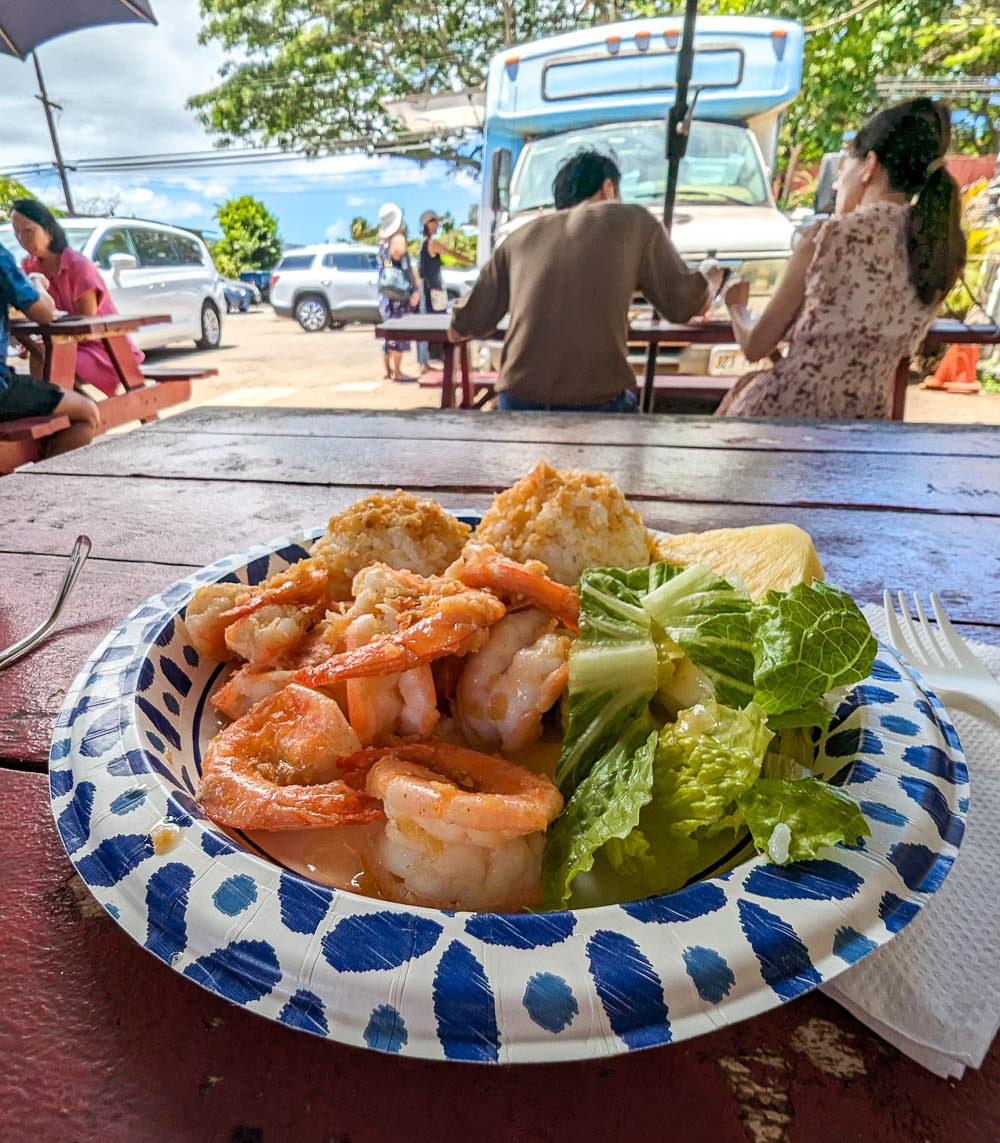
(952, 670)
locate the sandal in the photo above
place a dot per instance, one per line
(403, 377)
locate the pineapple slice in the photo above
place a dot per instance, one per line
(766, 556)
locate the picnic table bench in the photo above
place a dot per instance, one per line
(474, 392)
(52, 356)
(105, 1043)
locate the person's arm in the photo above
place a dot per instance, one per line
(436, 247)
(676, 292)
(86, 304)
(481, 310)
(42, 310)
(759, 338)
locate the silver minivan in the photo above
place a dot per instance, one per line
(150, 268)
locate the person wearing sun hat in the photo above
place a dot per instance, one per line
(393, 256)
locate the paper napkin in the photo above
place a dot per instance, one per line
(934, 990)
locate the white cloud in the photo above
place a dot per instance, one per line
(355, 200)
(338, 230)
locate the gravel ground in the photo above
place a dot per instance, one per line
(266, 360)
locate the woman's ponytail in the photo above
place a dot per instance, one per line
(910, 141)
(936, 241)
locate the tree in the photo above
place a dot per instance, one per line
(363, 231)
(249, 237)
(10, 189)
(312, 72)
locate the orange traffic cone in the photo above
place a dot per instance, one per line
(957, 371)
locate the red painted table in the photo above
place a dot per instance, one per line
(102, 1042)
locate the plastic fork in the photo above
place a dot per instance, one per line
(945, 661)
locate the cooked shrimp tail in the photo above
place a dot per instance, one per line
(425, 634)
(491, 570)
(302, 583)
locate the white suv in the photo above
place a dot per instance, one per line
(333, 284)
(151, 268)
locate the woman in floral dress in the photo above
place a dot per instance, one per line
(862, 288)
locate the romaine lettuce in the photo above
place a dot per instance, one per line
(790, 821)
(704, 760)
(613, 672)
(605, 805)
(709, 620)
(807, 641)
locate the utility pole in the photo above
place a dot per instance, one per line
(48, 105)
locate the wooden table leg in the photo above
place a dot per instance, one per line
(60, 363)
(448, 376)
(899, 384)
(463, 367)
(648, 391)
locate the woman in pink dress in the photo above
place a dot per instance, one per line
(862, 288)
(74, 283)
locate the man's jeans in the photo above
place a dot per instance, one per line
(423, 348)
(625, 402)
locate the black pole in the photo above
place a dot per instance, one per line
(48, 105)
(676, 116)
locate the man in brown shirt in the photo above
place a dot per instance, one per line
(567, 280)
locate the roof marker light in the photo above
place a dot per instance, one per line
(642, 41)
(613, 44)
(779, 38)
(672, 35)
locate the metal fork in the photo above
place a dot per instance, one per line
(951, 670)
(81, 549)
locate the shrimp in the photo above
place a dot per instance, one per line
(248, 685)
(203, 618)
(433, 617)
(385, 705)
(292, 762)
(463, 830)
(259, 623)
(483, 566)
(512, 681)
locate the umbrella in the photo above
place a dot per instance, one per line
(24, 26)
(677, 117)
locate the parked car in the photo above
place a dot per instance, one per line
(333, 284)
(239, 295)
(150, 268)
(260, 280)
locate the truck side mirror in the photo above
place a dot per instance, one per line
(121, 261)
(826, 197)
(500, 180)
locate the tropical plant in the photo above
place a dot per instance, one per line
(249, 237)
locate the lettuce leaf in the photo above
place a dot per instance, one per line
(703, 762)
(709, 620)
(605, 805)
(807, 641)
(791, 821)
(613, 672)
(811, 713)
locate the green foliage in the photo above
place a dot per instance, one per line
(249, 237)
(10, 189)
(310, 73)
(982, 251)
(363, 231)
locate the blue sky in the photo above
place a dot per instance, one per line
(123, 89)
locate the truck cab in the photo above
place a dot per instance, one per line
(610, 87)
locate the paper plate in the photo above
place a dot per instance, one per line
(478, 986)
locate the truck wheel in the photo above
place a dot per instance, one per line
(211, 327)
(312, 313)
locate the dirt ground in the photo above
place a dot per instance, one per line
(266, 360)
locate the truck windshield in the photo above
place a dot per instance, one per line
(721, 165)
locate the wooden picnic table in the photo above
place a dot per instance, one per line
(433, 328)
(105, 1043)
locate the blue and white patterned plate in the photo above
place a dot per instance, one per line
(483, 987)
